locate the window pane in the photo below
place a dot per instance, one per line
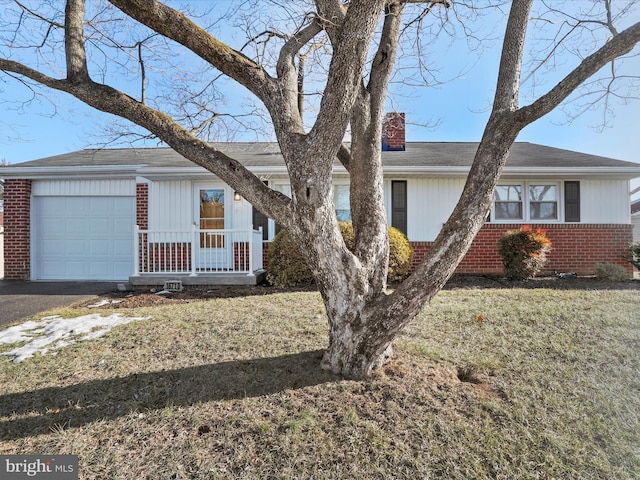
(543, 210)
(541, 193)
(508, 202)
(508, 210)
(543, 204)
(341, 199)
(211, 217)
(508, 193)
(399, 205)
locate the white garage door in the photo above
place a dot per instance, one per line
(83, 238)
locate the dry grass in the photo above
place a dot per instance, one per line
(545, 386)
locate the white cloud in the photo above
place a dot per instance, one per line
(53, 333)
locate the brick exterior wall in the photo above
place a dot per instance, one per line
(575, 248)
(142, 205)
(17, 229)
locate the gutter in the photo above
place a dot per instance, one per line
(78, 171)
(92, 171)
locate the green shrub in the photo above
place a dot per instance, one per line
(287, 267)
(524, 252)
(400, 250)
(611, 272)
(400, 255)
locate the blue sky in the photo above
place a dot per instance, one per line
(460, 107)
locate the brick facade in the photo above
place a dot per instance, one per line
(575, 248)
(142, 205)
(17, 229)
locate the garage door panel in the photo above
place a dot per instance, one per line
(53, 226)
(124, 267)
(100, 248)
(53, 247)
(99, 226)
(76, 226)
(83, 238)
(99, 269)
(122, 247)
(75, 269)
(50, 268)
(71, 206)
(122, 225)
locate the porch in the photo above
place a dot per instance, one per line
(197, 257)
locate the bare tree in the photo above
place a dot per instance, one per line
(363, 37)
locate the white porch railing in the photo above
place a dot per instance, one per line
(197, 251)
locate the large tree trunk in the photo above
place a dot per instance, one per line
(358, 342)
(352, 351)
(363, 319)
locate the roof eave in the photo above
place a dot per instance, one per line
(196, 172)
(80, 171)
(582, 172)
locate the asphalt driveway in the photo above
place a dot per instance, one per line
(20, 300)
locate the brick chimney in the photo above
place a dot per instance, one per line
(393, 137)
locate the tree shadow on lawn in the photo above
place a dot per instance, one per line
(39, 411)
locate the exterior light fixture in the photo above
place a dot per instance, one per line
(236, 196)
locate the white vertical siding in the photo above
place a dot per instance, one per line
(430, 201)
(171, 205)
(94, 188)
(241, 214)
(604, 201)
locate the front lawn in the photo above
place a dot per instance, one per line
(486, 383)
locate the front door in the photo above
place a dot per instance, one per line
(213, 246)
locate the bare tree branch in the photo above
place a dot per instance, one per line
(176, 26)
(74, 41)
(619, 45)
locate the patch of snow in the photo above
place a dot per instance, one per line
(103, 302)
(56, 332)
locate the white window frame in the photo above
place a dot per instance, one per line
(530, 201)
(494, 217)
(526, 203)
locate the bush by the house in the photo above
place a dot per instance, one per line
(524, 252)
(611, 272)
(287, 267)
(634, 255)
(400, 250)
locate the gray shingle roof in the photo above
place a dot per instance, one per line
(417, 154)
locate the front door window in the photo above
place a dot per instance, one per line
(211, 217)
